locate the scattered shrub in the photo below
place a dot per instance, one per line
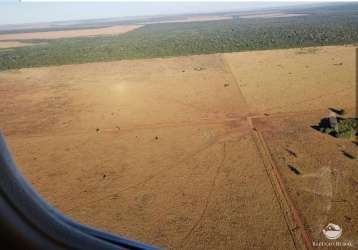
(345, 127)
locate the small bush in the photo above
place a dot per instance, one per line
(347, 128)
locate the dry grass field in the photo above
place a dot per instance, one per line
(296, 79)
(113, 30)
(325, 187)
(190, 152)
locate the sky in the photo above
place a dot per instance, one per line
(14, 12)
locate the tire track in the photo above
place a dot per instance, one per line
(227, 69)
(134, 128)
(208, 199)
(155, 175)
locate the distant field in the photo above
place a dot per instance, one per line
(271, 15)
(330, 26)
(7, 45)
(192, 19)
(114, 30)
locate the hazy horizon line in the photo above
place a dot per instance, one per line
(17, 14)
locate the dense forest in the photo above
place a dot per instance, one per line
(321, 26)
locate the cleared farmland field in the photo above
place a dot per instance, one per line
(152, 142)
(113, 30)
(166, 151)
(7, 45)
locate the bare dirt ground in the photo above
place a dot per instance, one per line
(180, 152)
(113, 30)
